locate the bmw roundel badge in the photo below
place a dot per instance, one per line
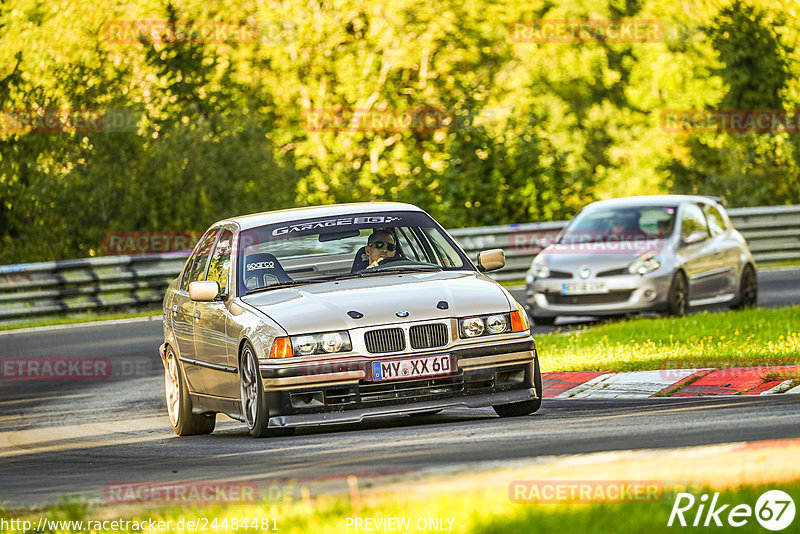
(402, 314)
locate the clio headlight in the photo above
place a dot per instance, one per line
(646, 263)
(540, 268)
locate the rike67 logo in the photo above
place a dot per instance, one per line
(774, 510)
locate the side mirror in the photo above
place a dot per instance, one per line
(695, 237)
(491, 260)
(205, 291)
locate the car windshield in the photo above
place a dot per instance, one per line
(331, 248)
(622, 223)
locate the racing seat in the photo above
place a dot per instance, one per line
(361, 261)
(263, 269)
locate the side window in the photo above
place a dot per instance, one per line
(186, 270)
(220, 264)
(408, 246)
(201, 255)
(693, 221)
(716, 222)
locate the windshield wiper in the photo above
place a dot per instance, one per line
(287, 284)
(387, 270)
(407, 269)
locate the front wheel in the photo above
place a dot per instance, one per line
(179, 405)
(678, 300)
(748, 290)
(254, 407)
(528, 407)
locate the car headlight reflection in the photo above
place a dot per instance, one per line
(646, 263)
(323, 343)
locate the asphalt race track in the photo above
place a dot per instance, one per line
(75, 437)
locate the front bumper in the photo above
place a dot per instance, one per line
(309, 394)
(627, 293)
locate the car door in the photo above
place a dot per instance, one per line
(210, 321)
(697, 256)
(724, 250)
(184, 309)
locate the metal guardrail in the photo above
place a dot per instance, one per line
(138, 282)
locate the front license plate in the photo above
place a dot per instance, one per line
(412, 368)
(583, 288)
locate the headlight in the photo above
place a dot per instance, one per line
(540, 268)
(496, 324)
(487, 325)
(332, 342)
(472, 327)
(305, 345)
(323, 343)
(646, 263)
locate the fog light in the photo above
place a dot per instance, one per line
(649, 294)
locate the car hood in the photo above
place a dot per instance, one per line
(323, 307)
(598, 257)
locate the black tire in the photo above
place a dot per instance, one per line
(678, 299)
(254, 406)
(544, 321)
(748, 290)
(179, 404)
(526, 407)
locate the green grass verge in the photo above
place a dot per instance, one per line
(77, 319)
(472, 511)
(761, 337)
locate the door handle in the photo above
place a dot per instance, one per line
(716, 251)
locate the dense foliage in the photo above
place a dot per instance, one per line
(244, 119)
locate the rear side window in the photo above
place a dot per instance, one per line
(693, 221)
(197, 270)
(716, 222)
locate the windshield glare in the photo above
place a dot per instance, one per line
(328, 248)
(629, 223)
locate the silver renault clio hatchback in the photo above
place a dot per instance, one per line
(662, 253)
